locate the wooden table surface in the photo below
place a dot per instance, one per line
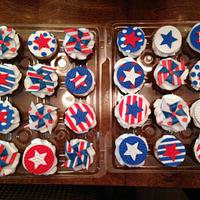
(101, 12)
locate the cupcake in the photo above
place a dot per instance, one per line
(42, 44)
(9, 158)
(196, 149)
(42, 118)
(193, 38)
(172, 113)
(131, 150)
(9, 117)
(79, 153)
(195, 113)
(195, 76)
(9, 43)
(131, 41)
(170, 74)
(41, 80)
(80, 81)
(167, 41)
(80, 117)
(128, 75)
(170, 151)
(78, 43)
(39, 158)
(132, 111)
(9, 78)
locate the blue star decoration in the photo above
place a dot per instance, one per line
(168, 39)
(133, 109)
(80, 116)
(176, 110)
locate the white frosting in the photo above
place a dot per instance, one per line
(195, 76)
(162, 104)
(14, 43)
(195, 113)
(195, 149)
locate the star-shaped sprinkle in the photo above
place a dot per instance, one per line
(131, 76)
(132, 150)
(79, 80)
(38, 159)
(133, 109)
(131, 39)
(80, 116)
(171, 151)
(168, 39)
(3, 78)
(42, 42)
(3, 115)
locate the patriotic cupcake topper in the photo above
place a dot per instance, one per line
(9, 43)
(131, 41)
(78, 43)
(79, 153)
(195, 113)
(196, 149)
(193, 38)
(131, 150)
(170, 151)
(41, 80)
(9, 78)
(42, 44)
(39, 158)
(170, 74)
(80, 117)
(195, 76)
(80, 81)
(132, 111)
(172, 113)
(129, 75)
(9, 117)
(9, 158)
(167, 41)
(42, 117)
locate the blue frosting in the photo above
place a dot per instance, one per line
(194, 37)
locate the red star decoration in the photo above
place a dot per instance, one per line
(3, 78)
(3, 116)
(198, 33)
(42, 42)
(171, 151)
(131, 39)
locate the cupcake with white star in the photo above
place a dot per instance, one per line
(9, 117)
(132, 111)
(170, 74)
(39, 158)
(42, 44)
(195, 76)
(129, 76)
(9, 43)
(167, 41)
(131, 150)
(9, 78)
(131, 41)
(80, 81)
(172, 113)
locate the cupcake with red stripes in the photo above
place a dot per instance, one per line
(9, 158)
(170, 74)
(78, 43)
(41, 80)
(132, 111)
(80, 118)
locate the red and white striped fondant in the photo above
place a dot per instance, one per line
(128, 119)
(83, 126)
(197, 149)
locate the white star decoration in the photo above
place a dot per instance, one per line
(131, 76)
(38, 159)
(132, 150)
(79, 80)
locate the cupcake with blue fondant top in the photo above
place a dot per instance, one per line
(131, 41)
(42, 44)
(80, 81)
(195, 76)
